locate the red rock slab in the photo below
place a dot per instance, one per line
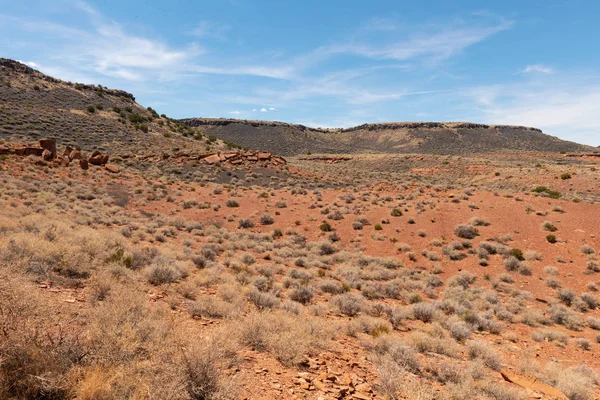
(263, 155)
(112, 168)
(531, 382)
(50, 145)
(212, 159)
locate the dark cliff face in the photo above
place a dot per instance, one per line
(391, 137)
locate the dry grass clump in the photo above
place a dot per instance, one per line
(466, 231)
(348, 304)
(287, 337)
(479, 350)
(550, 336)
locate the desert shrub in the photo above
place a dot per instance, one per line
(582, 343)
(549, 226)
(551, 239)
(463, 279)
(396, 212)
(547, 192)
(232, 203)
(590, 300)
(476, 221)
(245, 223)
(211, 307)
(331, 287)
(516, 253)
(302, 294)
(559, 314)
(267, 220)
(553, 283)
(585, 249)
(262, 300)
(325, 227)
(550, 336)
(460, 331)
(202, 363)
(163, 273)
(287, 337)
(594, 323)
(479, 350)
(326, 249)
(466, 231)
(401, 354)
(512, 264)
(199, 261)
(567, 296)
(348, 303)
(524, 269)
(424, 311)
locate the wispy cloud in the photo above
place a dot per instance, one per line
(434, 44)
(210, 29)
(539, 68)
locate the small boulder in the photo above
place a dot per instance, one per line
(83, 163)
(75, 155)
(212, 159)
(50, 145)
(33, 151)
(112, 168)
(67, 151)
(47, 155)
(98, 158)
(263, 155)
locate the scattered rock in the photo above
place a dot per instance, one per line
(83, 163)
(98, 158)
(47, 155)
(112, 168)
(75, 155)
(50, 145)
(531, 382)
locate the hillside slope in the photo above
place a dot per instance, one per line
(34, 105)
(398, 137)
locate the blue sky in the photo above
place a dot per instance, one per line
(328, 63)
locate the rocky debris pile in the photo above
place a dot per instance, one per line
(327, 159)
(233, 158)
(46, 149)
(243, 158)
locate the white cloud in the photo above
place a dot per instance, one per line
(263, 110)
(538, 68)
(234, 112)
(29, 63)
(254, 110)
(272, 109)
(568, 109)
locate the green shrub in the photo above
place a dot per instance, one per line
(326, 227)
(396, 213)
(550, 193)
(517, 253)
(551, 239)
